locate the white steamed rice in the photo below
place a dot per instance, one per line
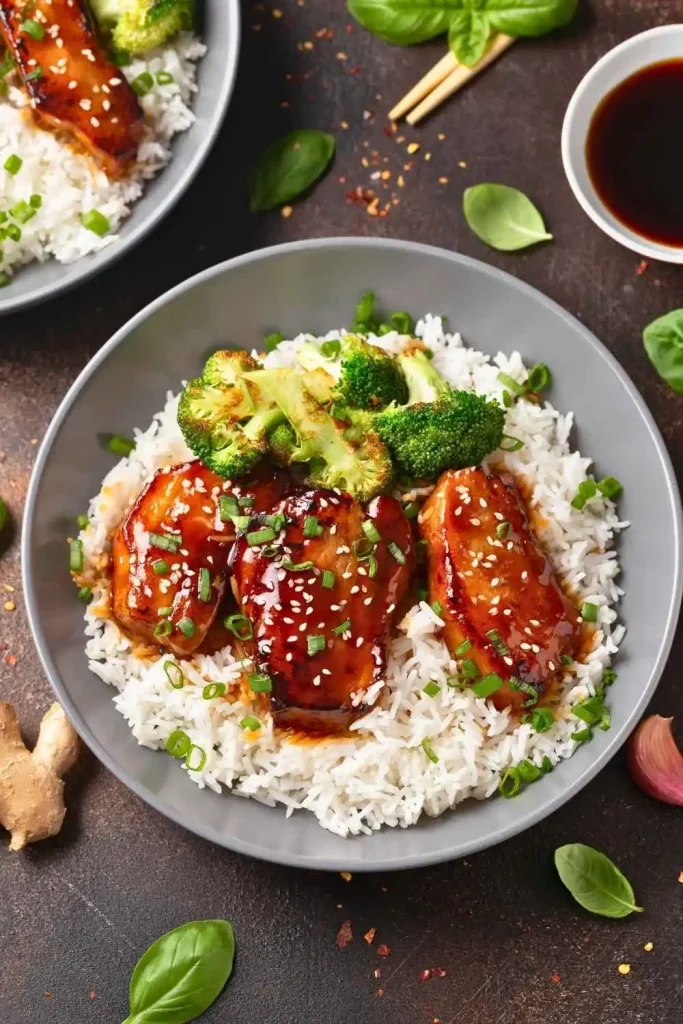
(379, 775)
(69, 183)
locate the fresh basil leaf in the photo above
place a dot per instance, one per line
(663, 340)
(594, 881)
(182, 973)
(288, 167)
(405, 22)
(503, 217)
(468, 35)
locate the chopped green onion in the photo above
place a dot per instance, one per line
(567, 659)
(312, 527)
(33, 75)
(342, 627)
(246, 501)
(371, 531)
(539, 377)
(166, 541)
(384, 329)
(529, 689)
(297, 566)
(174, 674)
(259, 683)
(463, 648)
(270, 551)
(511, 383)
(542, 719)
(528, 771)
(582, 736)
(82, 522)
(339, 412)
(96, 222)
(608, 676)
(315, 643)
(402, 322)
(276, 522)
(142, 84)
(510, 783)
(431, 688)
(469, 669)
(163, 628)
(227, 508)
(118, 445)
(271, 341)
(76, 556)
(187, 627)
(503, 530)
(204, 586)
(35, 201)
(240, 626)
(411, 510)
(436, 608)
(362, 549)
(590, 710)
(364, 310)
(13, 164)
(421, 593)
(331, 349)
(22, 212)
(586, 490)
(241, 522)
(33, 29)
(578, 502)
(167, 610)
(395, 550)
(164, 78)
(508, 400)
(455, 682)
(328, 580)
(512, 444)
(13, 232)
(212, 690)
(372, 566)
(121, 58)
(4, 515)
(178, 743)
(250, 723)
(160, 566)
(546, 764)
(589, 612)
(498, 644)
(606, 720)
(610, 487)
(427, 747)
(202, 758)
(487, 685)
(85, 593)
(261, 536)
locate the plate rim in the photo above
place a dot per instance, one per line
(92, 264)
(308, 861)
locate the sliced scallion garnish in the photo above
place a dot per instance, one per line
(510, 443)
(297, 566)
(589, 611)
(260, 536)
(187, 627)
(487, 685)
(204, 586)
(212, 690)
(195, 759)
(250, 723)
(178, 743)
(312, 527)
(539, 377)
(315, 643)
(371, 531)
(85, 593)
(431, 688)
(174, 674)
(328, 580)
(259, 683)
(160, 566)
(342, 627)
(240, 626)
(396, 552)
(511, 384)
(463, 648)
(76, 557)
(503, 530)
(166, 541)
(427, 747)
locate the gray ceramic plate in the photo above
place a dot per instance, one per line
(314, 286)
(215, 77)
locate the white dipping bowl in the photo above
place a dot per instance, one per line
(651, 47)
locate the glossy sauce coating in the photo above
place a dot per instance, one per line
(323, 691)
(183, 501)
(72, 85)
(488, 572)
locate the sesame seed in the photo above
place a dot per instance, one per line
(495, 581)
(525, 575)
(499, 517)
(534, 622)
(458, 510)
(508, 661)
(495, 600)
(94, 122)
(291, 639)
(475, 522)
(483, 503)
(317, 681)
(289, 656)
(359, 641)
(355, 590)
(525, 646)
(507, 611)
(535, 648)
(551, 666)
(368, 600)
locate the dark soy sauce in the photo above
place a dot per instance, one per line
(634, 152)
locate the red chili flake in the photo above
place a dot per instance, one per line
(641, 268)
(356, 71)
(344, 935)
(555, 978)
(439, 972)
(360, 195)
(9, 659)
(383, 950)
(92, 994)
(425, 975)
(349, 28)
(380, 992)
(48, 995)
(370, 936)
(377, 972)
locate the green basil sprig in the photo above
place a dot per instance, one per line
(594, 881)
(182, 973)
(663, 340)
(469, 23)
(288, 167)
(503, 217)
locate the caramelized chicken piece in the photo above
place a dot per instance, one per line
(496, 587)
(170, 555)
(71, 84)
(322, 607)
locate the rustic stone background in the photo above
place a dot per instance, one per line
(76, 913)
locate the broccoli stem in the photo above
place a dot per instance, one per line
(425, 383)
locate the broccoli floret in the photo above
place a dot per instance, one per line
(285, 447)
(458, 429)
(363, 471)
(137, 26)
(425, 383)
(223, 419)
(369, 378)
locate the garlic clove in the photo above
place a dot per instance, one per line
(655, 762)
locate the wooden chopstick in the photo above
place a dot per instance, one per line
(445, 78)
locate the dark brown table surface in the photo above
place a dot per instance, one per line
(77, 911)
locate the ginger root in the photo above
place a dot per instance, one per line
(31, 787)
